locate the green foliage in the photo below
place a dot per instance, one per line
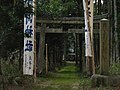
(55, 8)
(67, 78)
(10, 71)
(49, 8)
(70, 43)
(11, 27)
(70, 8)
(115, 69)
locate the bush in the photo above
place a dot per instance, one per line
(115, 69)
(10, 71)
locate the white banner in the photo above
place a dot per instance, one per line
(28, 62)
(88, 15)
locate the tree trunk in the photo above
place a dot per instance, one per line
(80, 9)
(105, 6)
(115, 31)
(110, 11)
(95, 7)
(0, 66)
(99, 7)
(41, 56)
(20, 60)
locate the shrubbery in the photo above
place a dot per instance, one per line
(115, 69)
(10, 71)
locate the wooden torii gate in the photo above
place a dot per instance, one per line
(66, 20)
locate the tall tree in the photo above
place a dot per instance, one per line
(115, 31)
(99, 7)
(80, 7)
(105, 6)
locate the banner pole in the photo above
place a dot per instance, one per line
(35, 42)
(90, 28)
(88, 13)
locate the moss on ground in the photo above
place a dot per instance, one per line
(67, 78)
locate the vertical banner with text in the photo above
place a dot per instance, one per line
(88, 15)
(28, 62)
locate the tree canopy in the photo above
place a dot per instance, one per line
(12, 15)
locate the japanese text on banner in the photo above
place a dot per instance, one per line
(28, 40)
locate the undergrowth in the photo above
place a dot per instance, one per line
(114, 69)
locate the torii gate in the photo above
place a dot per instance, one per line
(104, 35)
(73, 20)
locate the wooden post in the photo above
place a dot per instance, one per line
(35, 57)
(90, 65)
(104, 46)
(64, 50)
(77, 48)
(46, 59)
(34, 44)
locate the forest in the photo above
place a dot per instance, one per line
(60, 61)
